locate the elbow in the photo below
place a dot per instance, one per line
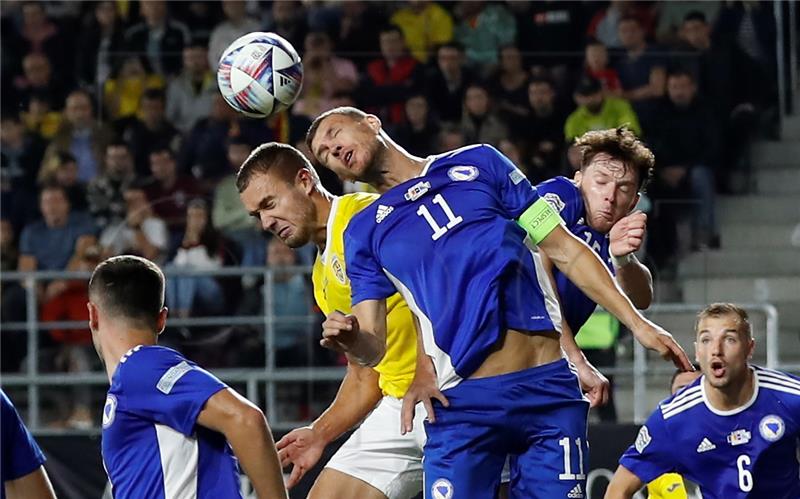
(250, 420)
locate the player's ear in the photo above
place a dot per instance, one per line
(94, 320)
(578, 176)
(161, 321)
(373, 121)
(304, 180)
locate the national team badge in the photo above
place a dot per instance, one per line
(417, 190)
(772, 427)
(462, 173)
(739, 437)
(442, 489)
(338, 269)
(109, 410)
(642, 439)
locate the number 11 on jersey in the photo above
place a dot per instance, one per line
(452, 219)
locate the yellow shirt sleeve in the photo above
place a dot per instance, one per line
(667, 486)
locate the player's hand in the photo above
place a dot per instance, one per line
(627, 234)
(656, 338)
(594, 384)
(339, 331)
(301, 447)
(422, 389)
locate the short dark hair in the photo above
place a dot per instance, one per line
(720, 309)
(118, 143)
(64, 157)
(53, 185)
(130, 288)
(679, 71)
(695, 15)
(283, 159)
(593, 41)
(154, 94)
(390, 28)
(162, 149)
(539, 80)
(352, 112)
(622, 144)
(629, 18)
(450, 45)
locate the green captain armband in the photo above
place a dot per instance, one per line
(539, 220)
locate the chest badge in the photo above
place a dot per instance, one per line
(417, 190)
(338, 269)
(771, 427)
(109, 410)
(739, 437)
(462, 173)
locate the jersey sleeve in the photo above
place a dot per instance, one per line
(163, 386)
(20, 453)
(514, 190)
(367, 279)
(564, 197)
(651, 454)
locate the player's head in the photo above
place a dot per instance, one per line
(681, 379)
(275, 185)
(615, 166)
(724, 344)
(127, 290)
(348, 142)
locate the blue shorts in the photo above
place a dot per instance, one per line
(536, 417)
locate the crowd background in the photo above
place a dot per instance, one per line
(115, 138)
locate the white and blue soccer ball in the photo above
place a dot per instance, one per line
(260, 74)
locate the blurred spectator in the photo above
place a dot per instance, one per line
(204, 153)
(479, 122)
(140, 233)
(596, 65)
(62, 169)
(513, 151)
(425, 25)
(151, 132)
(451, 137)
(40, 118)
(100, 40)
(549, 34)
(189, 96)
(236, 24)
(482, 29)
(105, 192)
(9, 253)
(597, 112)
(671, 16)
(158, 37)
(390, 77)
(122, 93)
(81, 135)
(200, 16)
(418, 133)
(687, 143)
(200, 249)
(357, 31)
(287, 19)
(446, 83)
(542, 130)
(39, 34)
(509, 85)
(605, 24)
(168, 192)
(641, 69)
(229, 215)
(38, 78)
(325, 75)
(21, 155)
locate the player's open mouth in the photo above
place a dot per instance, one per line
(718, 368)
(284, 232)
(347, 157)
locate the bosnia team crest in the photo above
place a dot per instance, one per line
(771, 427)
(109, 410)
(462, 173)
(442, 489)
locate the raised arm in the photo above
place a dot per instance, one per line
(625, 238)
(246, 429)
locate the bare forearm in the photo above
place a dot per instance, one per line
(34, 485)
(367, 350)
(357, 396)
(570, 347)
(637, 282)
(253, 445)
(623, 484)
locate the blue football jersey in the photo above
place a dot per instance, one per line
(449, 242)
(19, 453)
(152, 447)
(747, 452)
(565, 197)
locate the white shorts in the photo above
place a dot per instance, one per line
(378, 454)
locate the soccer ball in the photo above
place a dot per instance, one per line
(260, 74)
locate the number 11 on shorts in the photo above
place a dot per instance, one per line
(565, 443)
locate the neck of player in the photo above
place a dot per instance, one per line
(397, 166)
(323, 203)
(734, 395)
(117, 340)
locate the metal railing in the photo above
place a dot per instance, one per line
(33, 379)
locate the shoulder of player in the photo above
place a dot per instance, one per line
(141, 359)
(682, 401)
(349, 205)
(472, 155)
(778, 381)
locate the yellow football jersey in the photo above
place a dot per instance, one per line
(667, 486)
(332, 292)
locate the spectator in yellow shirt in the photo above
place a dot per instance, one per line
(597, 112)
(425, 26)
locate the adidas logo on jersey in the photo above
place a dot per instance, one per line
(383, 212)
(706, 446)
(576, 492)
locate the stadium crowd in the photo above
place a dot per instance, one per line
(115, 138)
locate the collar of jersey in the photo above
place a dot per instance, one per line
(329, 229)
(428, 162)
(736, 410)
